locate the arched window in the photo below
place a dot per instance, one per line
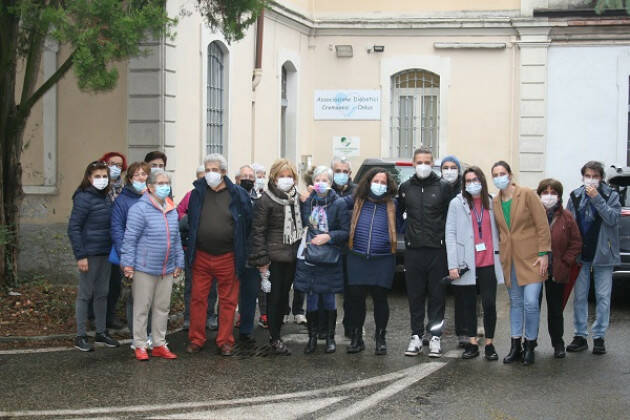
(415, 111)
(216, 99)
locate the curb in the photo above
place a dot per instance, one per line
(35, 338)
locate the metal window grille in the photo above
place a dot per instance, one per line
(415, 112)
(215, 107)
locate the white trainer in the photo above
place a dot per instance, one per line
(435, 350)
(300, 319)
(415, 346)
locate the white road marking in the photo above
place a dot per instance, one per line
(417, 372)
(385, 393)
(49, 349)
(277, 411)
(453, 354)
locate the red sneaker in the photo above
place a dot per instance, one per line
(263, 322)
(141, 354)
(163, 352)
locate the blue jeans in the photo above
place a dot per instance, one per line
(249, 284)
(313, 301)
(603, 286)
(524, 307)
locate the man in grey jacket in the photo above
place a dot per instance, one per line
(597, 210)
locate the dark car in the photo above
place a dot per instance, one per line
(619, 179)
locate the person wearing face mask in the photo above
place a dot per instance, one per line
(327, 219)
(182, 211)
(117, 164)
(472, 246)
(156, 160)
(260, 183)
(597, 210)
(343, 186)
(566, 244)
(89, 234)
(372, 256)
(135, 186)
(276, 233)
(425, 198)
(524, 244)
(152, 256)
(219, 219)
(451, 170)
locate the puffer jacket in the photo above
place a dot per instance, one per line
(324, 278)
(127, 198)
(152, 243)
(88, 227)
(426, 203)
(268, 230)
(607, 250)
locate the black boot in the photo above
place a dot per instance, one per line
(516, 351)
(331, 346)
(528, 357)
(312, 323)
(356, 341)
(380, 348)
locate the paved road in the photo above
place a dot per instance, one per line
(109, 383)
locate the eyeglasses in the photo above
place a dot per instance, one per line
(120, 165)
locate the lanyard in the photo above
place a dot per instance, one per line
(479, 219)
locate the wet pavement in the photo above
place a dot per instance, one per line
(110, 383)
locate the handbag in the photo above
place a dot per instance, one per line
(326, 254)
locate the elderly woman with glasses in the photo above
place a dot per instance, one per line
(152, 255)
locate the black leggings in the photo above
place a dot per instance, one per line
(356, 302)
(555, 319)
(466, 302)
(281, 278)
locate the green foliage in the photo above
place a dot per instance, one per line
(232, 17)
(603, 5)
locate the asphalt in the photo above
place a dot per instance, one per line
(110, 383)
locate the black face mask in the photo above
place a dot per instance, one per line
(248, 184)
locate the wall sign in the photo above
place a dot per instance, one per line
(347, 105)
(346, 146)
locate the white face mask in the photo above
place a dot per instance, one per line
(285, 183)
(474, 189)
(450, 175)
(100, 183)
(549, 200)
(213, 178)
(591, 182)
(423, 171)
(260, 183)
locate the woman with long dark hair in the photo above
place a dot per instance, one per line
(372, 255)
(88, 230)
(524, 243)
(472, 245)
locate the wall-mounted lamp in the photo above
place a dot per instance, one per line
(344, 50)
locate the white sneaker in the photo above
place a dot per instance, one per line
(300, 319)
(415, 346)
(435, 349)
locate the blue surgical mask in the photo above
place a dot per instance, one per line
(321, 187)
(162, 191)
(139, 186)
(114, 172)
(378, 189)
(340, 178)
(501, 182)
(474, 188)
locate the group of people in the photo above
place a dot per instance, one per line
(256, 238)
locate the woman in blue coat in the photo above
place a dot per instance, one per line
(152, 255)
(327, 219)
(135, 186)
(372, 255)
(88, 230)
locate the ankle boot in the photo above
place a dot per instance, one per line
(380, 348)
(356, 341)
(528, 357)
(516, 351)
(331, 346)
(312, 323)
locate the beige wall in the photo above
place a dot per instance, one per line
(89, 125)
(351, 6)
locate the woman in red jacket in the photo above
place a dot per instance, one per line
(566, 245)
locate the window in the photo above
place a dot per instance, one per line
(215, 109)
(415, 112)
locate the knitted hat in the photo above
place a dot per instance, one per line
(451, 158)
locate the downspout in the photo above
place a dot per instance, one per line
(257, 76)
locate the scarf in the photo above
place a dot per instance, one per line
(292, 230)
(115, 188)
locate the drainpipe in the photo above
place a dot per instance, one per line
(257, 76)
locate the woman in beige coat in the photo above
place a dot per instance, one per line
(524, 242)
